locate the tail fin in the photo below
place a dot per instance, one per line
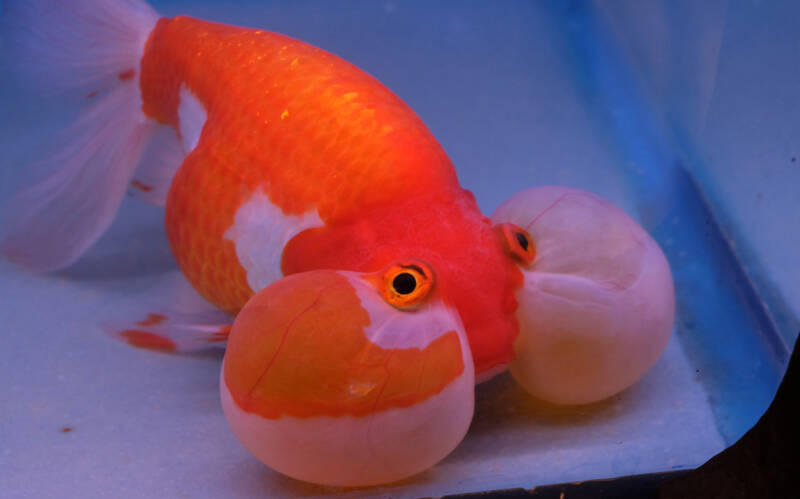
(94, 47)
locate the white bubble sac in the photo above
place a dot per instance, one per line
(598, 304)
(327, 418)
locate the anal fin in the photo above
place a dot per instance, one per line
(171, 317)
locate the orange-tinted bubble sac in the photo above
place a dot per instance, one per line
(326, 382)
(315, 320)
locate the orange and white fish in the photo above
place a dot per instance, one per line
(304, 196)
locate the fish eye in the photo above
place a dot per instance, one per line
(517, 242)
(406, 284)
(522, 239)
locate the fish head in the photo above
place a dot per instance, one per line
(474, 274)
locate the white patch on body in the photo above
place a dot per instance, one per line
(191, 119)
(260, 231)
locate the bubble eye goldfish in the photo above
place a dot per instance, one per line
(291, 177)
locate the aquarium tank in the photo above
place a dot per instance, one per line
(684, 114)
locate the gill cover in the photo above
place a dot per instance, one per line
(327, 379)
(597, 306)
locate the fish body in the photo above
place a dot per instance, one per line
(306, 162)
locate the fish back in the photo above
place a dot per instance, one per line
(303, 132)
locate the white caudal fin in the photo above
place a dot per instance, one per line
(93, 47)
(161, 159)
(87, 45)
(170, 316)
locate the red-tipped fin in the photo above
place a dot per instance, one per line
(94, 48)
(171, 317)
(160, 160)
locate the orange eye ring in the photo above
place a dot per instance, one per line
(406, 284)
(517, 242)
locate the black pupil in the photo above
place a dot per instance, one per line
(522, 240)
(404, 283)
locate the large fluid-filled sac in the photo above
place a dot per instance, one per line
(597, 306)
(349, 379)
